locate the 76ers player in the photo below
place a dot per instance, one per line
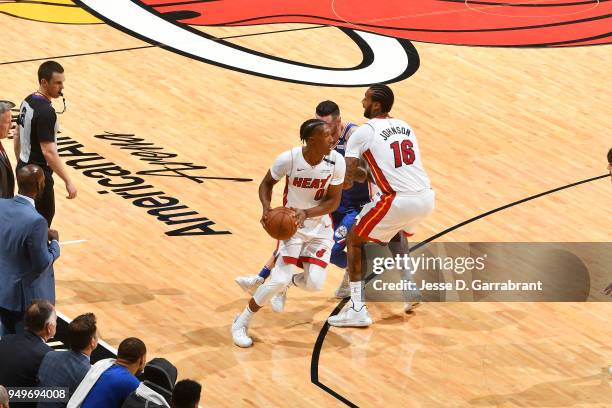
(353, 198)
(390, 148)
(314, 176)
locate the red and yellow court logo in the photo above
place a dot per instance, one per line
(383, 31)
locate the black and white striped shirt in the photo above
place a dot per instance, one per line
(37, 124)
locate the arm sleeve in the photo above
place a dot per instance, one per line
(358, 141)
(281, 166)
(42, 255)
(45, 125)
(339, 171)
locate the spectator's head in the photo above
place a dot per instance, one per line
(132, 353)
(51, 78)
(186, 394)
(31, 180)
(83, 334)
(5, 119)
(4, 398)
(40, 318)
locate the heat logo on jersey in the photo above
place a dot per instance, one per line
(320, 253)
(382, 31)
(306, 182)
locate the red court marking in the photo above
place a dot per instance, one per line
(486, 22)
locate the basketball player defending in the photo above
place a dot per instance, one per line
(314, 176)
(353, 199)
(390, 148)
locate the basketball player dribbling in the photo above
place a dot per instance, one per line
(314, 176)
(390, 148)
(351, 202)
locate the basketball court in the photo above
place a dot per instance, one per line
(510, 101)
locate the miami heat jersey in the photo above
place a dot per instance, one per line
(306, 185)
(390, 148)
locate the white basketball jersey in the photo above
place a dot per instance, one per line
(306, 185)
(390, 148)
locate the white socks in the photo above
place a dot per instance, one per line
(246, 315)
(356, 296)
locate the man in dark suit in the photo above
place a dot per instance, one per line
(7, 181)
(67, 369)
(26, 256)
(21, 354)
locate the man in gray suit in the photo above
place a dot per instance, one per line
(26, 255)
(7, 181)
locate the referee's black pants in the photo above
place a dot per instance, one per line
(45, 203)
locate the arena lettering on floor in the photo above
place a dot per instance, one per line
(131, 187)
(155, 156)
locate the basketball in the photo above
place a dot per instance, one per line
(280, 223)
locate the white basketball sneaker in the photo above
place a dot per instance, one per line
(249, 283)
(349, 317)
(278, 301)
(239, 333)
(344, 290)
(412, 300)
(410, 306)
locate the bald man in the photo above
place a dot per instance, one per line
(26, 255)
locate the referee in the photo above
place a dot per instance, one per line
(35, 141)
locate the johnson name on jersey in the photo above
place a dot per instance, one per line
(390, 148)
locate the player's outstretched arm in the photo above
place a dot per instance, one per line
(265, 195)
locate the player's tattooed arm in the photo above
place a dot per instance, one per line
(361, 172)
(352, 164)
(265, 195)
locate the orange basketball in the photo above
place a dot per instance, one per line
(280, 223)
